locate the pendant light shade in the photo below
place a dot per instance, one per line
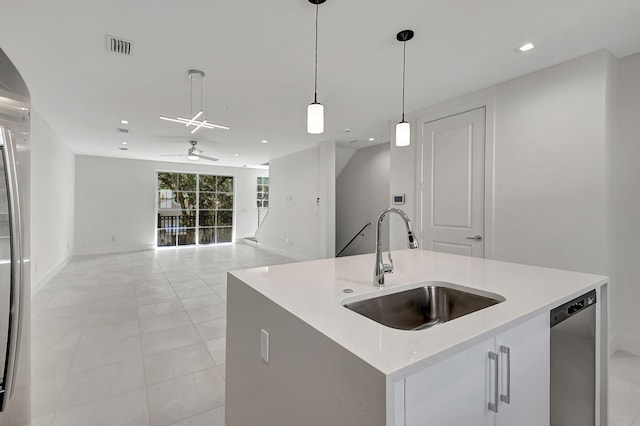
(315, 118)
(403, 128)
(403, 134)
(315, 110)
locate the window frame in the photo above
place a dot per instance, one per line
(260, 202)
(197, 227)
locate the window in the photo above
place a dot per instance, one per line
(194, 209)
(263, 192)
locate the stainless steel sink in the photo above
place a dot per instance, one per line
(421, 307)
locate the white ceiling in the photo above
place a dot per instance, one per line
(258, 60)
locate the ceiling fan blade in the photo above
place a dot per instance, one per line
(206, 157)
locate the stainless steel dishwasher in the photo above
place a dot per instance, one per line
(573, 362)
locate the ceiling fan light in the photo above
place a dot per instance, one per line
(315, 118)
(193, 157)
(403, 134)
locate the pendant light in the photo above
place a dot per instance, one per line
(315, 110)
(403, 128)
(195, 75)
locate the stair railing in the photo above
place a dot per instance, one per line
(360, 233)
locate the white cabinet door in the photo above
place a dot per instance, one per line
(525, 351)
(453, 392)
(458, 390)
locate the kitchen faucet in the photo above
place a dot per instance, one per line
(382, 268)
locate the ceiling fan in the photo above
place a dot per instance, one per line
(193, 153)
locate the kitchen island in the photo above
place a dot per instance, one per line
(297, 356)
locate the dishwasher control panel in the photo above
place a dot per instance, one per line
(565, 311)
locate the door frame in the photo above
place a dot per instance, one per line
(488, 103)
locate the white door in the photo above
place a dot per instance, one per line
(453, 184)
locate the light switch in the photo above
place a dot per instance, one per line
(264, 345)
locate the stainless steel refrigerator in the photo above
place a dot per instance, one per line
(15, 348)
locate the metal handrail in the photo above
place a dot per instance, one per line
(358, 234)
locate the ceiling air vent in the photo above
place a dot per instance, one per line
(118, 45)
(121, 130)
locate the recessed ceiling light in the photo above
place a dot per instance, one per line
(124, 122)
(236, 155)
(125, 143)
(372, 139)
(526, 47)
(264, 141)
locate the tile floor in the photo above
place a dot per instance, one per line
(135, 339)
(624, 389)
(139, 339)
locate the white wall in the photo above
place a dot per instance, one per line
(362, 192)
(548, 152)
(343, 155)
(626, 184)
(301, 219)
(52, 201)
(115, 201)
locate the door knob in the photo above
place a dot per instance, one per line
(476, 237)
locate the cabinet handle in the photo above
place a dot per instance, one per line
(507, 352)
(493, 406)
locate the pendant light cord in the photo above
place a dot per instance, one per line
(404, 67)
(191, 78)
(190, 97)
(315, 87)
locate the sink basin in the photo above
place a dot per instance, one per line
(421, 307)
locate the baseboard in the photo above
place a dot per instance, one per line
(112, 250)
(36, 287)
(292, 255)
(625, 343)
(250, 240)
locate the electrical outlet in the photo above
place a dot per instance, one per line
(264, 345)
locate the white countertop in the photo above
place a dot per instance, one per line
(313, 291)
